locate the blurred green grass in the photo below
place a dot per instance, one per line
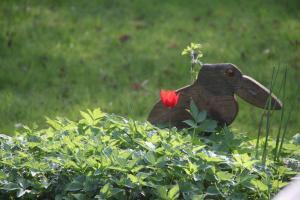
(59, 57)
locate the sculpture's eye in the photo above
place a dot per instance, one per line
(229, 72)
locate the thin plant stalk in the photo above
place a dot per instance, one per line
(169, 127)
(265, 148)
(192, 73)
(262, 115)
(286, 124)
(283, 86)
(194, 62)
(194, 133)
(259, 134)
(284, 133)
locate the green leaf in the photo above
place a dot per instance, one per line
(117, 192)
(259, 185)
(133, 178)
(194, 110)
(162, 192)
(213, 191)
(296, 139)
(191, 168)
(278, 184)
(21, 192)
(108, 191)
(79, 196)
(224, 176)
(22, 182)
(191, 123)
(198, 197)
(187, 187)
(174, 192)
(150, 145)
(90, 184)
(137, 168)
(2, 175)
(87, 119)
(74, 186)
(150, 157)
(197, 148)
(105, 189)
(244, 161)
(11, 186)
(209, 125)
(58, 197)
(97, 114)
(53, 123)
(120, 169)
(201, 116)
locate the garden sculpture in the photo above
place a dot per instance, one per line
(214, 91)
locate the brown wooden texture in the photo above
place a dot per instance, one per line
(214, 91)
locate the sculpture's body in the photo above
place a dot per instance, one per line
(214, 91)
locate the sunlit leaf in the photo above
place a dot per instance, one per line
(259, 185)
(133, 178)
(174, 192)
(150, 157)
(224, 176)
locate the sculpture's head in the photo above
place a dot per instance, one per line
(226, 79)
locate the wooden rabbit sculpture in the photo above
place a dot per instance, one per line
(214, 91)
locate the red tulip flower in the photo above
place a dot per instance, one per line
(169, 98)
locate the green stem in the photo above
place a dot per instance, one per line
(281, 116)
(262, 115)
(286, 125)
(194, 132)
(259, 134)
(169, 127)
(265, 149)
(192, 69)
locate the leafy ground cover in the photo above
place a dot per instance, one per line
(59, 57)
(106, 156)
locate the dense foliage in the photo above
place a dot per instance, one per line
(110, 157)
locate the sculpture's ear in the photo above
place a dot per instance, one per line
(256, 94)
(161, 115)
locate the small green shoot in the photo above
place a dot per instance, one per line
(199, 122)
(194, 51)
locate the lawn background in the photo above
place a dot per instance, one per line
(59, 57)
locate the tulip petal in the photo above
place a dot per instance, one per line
(169, 98)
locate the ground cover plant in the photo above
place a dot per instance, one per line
(59, 57)
(105, 156)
